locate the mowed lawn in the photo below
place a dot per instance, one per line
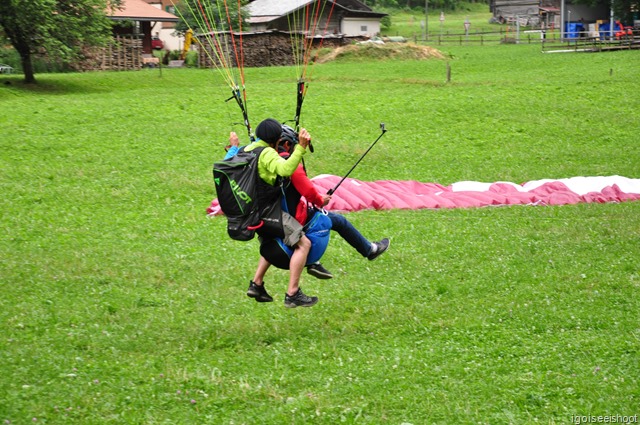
(123, 303)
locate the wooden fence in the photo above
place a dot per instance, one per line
(593, 44)
(549, 40)
(504, 35)
(122, 54)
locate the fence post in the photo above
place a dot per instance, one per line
(119, 53)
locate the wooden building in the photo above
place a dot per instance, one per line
(351, 18)
(263, 48)
(131, 47)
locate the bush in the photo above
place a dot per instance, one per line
(385, 22)
(9, 56)
(192, 59)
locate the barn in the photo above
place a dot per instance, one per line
(268, 41)
(348, 17)
(547, 14)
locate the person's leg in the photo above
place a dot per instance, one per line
(256, 289)
(294, 236)
(261, 271)
(349, 233)
(316, 269)
(298, 260)
(294, 296)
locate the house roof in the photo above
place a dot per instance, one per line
(275, 8)
(268, 10)
(138, 10)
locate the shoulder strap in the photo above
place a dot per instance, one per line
(257, 150)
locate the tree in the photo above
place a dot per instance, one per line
(58, 29)
(623, 9)
(204, 16)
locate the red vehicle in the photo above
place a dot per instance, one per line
(619, 31)
(156, 43)
(622, 31)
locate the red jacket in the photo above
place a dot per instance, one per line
(305, 187)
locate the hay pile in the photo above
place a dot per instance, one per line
(368, 51)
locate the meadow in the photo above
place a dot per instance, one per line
(410, 23)
(123, 303)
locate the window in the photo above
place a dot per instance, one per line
(363, 28)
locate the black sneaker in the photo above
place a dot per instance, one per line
(299, 300)
(379, 248)
(318, 271)
(259, 293)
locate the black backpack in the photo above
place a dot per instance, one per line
(236, 181)
(250, 204)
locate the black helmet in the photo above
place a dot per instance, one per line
(288, 135)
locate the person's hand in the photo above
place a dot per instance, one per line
(304, 138)
(233, 139)
(325, 200)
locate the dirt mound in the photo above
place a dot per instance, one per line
(380, 51)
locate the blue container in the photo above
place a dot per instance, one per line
(604, 30)
(573, 29)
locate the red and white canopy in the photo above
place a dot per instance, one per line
(355, 195)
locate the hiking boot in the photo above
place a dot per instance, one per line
(259, 293)
(299, 300)
(318, 271)
(379, 248)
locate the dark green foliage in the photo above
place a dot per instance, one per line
(58, 28)
(205, 16)
(625, 10)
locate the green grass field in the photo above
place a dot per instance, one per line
(410, 23)
(122, 303)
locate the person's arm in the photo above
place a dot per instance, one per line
(234, 146)
(233, 151)
(275, 164)
(306, 188)
(284, 167)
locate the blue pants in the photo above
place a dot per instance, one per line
(349, 233)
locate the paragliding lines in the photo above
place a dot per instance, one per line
(213, 21)
(303, 27)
